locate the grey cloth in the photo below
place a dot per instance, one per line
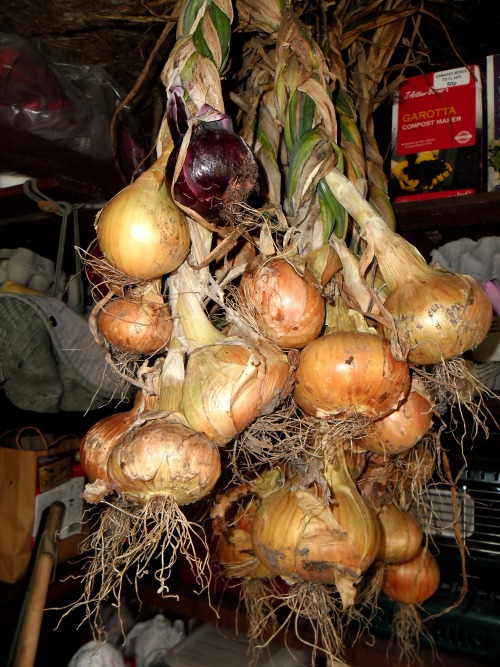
(49, 360)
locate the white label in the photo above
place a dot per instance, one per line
(68, 493)
(452, 78)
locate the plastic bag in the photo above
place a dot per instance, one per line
(94, 654)
(149, 642)
(70, 104)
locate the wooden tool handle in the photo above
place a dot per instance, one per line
(37, 595)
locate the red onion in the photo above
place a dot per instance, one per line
(219, 168)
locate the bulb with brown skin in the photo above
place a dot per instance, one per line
(413, 581)
(284, 303)
(164, 457)
(401, 429)
(401, 536)
(302, 536)
(349, 372)
(138, 322)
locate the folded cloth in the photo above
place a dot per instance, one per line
(49, 359)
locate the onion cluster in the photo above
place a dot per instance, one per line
(295, 343)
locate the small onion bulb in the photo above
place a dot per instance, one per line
(413, 581)
(401, 429)
(401, 536)
(139, 323)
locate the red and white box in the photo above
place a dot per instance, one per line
(437, 124)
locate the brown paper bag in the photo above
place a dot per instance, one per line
(35, 470)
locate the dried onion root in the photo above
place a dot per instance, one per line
(129, 541)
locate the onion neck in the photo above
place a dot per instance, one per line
(197, 328)
(398, 259)
(171, 381)
(151, 292)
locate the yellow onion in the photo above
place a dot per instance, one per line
(303, 536)
(227, 385)
(414, 581)
(138, 322)
(164, 458)
(141, 231)
(438, 315)
(285, 305)
(401, 429)
(346, 372)
(401, 536)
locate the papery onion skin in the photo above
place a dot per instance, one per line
(162, 458)
(135, 325)
(401, 536)
(100, 440)
(401, 429)
(286, 306)
(235, 548)
(299, 537)
(229, 384)
(345, 373)
(440, 315)
(141, 231)
(414, 581)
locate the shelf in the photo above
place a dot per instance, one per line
(450, 212)
(39, 158)
(432, 223)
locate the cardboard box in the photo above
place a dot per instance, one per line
(493, 121)
(37, 469)
(437, 125)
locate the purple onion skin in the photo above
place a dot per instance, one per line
(219, 170)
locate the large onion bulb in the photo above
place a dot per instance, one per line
(164, 458)
(300, 535)
(141, 231)
(285, 305)
(229, 384)
(345, 373)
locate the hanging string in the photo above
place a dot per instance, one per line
(64, 210)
